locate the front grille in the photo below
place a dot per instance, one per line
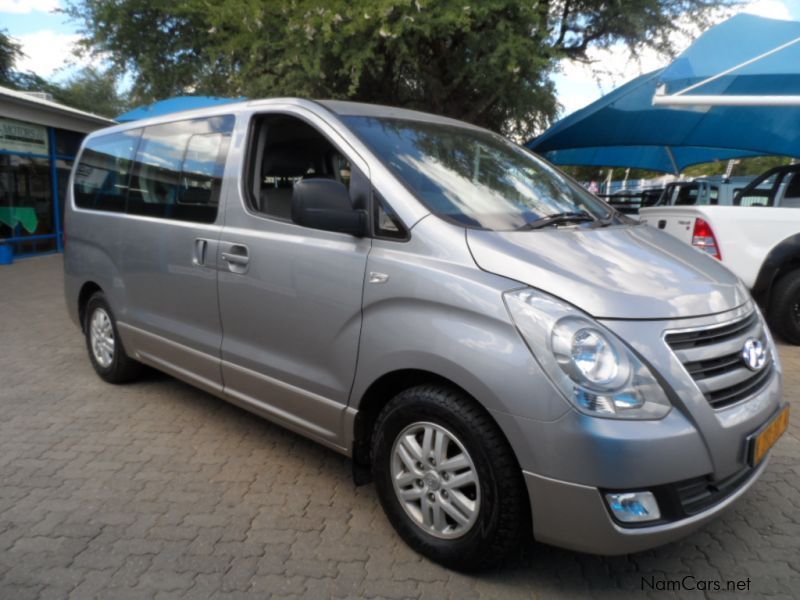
(740, 391)
(708, 337)
(712, 357)
(696, 495)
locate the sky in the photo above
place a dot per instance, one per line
(47, 39)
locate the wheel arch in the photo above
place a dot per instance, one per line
(378, 394)
(784, 257)
(88, 289)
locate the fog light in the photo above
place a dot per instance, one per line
(634, 507)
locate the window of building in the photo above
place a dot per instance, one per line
(68, 142)
(26, 205)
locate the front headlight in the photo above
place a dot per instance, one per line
(592, 368)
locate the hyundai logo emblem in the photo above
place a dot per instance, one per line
(754, 354)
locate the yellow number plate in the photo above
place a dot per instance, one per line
(762, 441)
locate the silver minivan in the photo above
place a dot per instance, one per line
(498, 350)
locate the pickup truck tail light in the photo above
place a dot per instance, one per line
(703, 239)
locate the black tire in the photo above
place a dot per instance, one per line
(784, 307)
(122, 368)
(503, 518)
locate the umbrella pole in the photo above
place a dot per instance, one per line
(675, 170)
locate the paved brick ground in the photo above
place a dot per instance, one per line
(159, 490)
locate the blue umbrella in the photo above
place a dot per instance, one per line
(746, 60)
(171, 105)
(624, 128)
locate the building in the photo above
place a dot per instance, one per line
(38, 143)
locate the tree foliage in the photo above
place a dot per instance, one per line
(89, 89)
(743, 166)
(751, 166)
(488, 62)
(10, 52)
(92, 90)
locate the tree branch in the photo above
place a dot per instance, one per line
(563, 27)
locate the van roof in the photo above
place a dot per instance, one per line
(340, 108)
(345, 108)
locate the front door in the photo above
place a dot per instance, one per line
(290, 296)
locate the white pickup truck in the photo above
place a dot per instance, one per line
(760, 243)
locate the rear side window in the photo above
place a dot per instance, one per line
(171, 171)
(103, 173)
(178, 170)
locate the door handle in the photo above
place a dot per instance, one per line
(237, 256)
(199, 254)
(235, 259)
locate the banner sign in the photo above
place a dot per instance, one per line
(16, 136)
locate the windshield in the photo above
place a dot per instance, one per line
(475, 178)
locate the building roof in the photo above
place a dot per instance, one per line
(24, 107)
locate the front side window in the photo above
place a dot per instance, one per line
(474, 178)
(285, 150)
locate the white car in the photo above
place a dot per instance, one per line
(759, 242)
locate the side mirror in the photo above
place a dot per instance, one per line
(325, 204)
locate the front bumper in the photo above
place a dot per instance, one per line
(575, 516)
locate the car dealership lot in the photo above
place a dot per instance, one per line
(159, 489)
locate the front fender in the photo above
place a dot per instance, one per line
(482, 354)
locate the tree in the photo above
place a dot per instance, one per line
(10, 52)
(487, 62)
(91, 90)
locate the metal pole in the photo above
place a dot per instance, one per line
(737, 67)
(724, 100)
(54, 180)
(675, 168)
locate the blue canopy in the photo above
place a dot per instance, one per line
(171, 105)
(735, 42)
(623, 128)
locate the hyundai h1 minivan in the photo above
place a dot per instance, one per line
(497, 349)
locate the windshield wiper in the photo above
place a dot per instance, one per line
(558, 218)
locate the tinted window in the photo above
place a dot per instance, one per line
(103, 173)
(178, 170)
(472, 177)
(68, 142)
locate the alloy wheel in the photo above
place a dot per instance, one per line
(435, 480)
(101, 337)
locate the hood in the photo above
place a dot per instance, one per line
(623, 272)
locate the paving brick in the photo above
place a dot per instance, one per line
(166, 581)
(159, 490)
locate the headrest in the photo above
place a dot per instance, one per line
(286, 162)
